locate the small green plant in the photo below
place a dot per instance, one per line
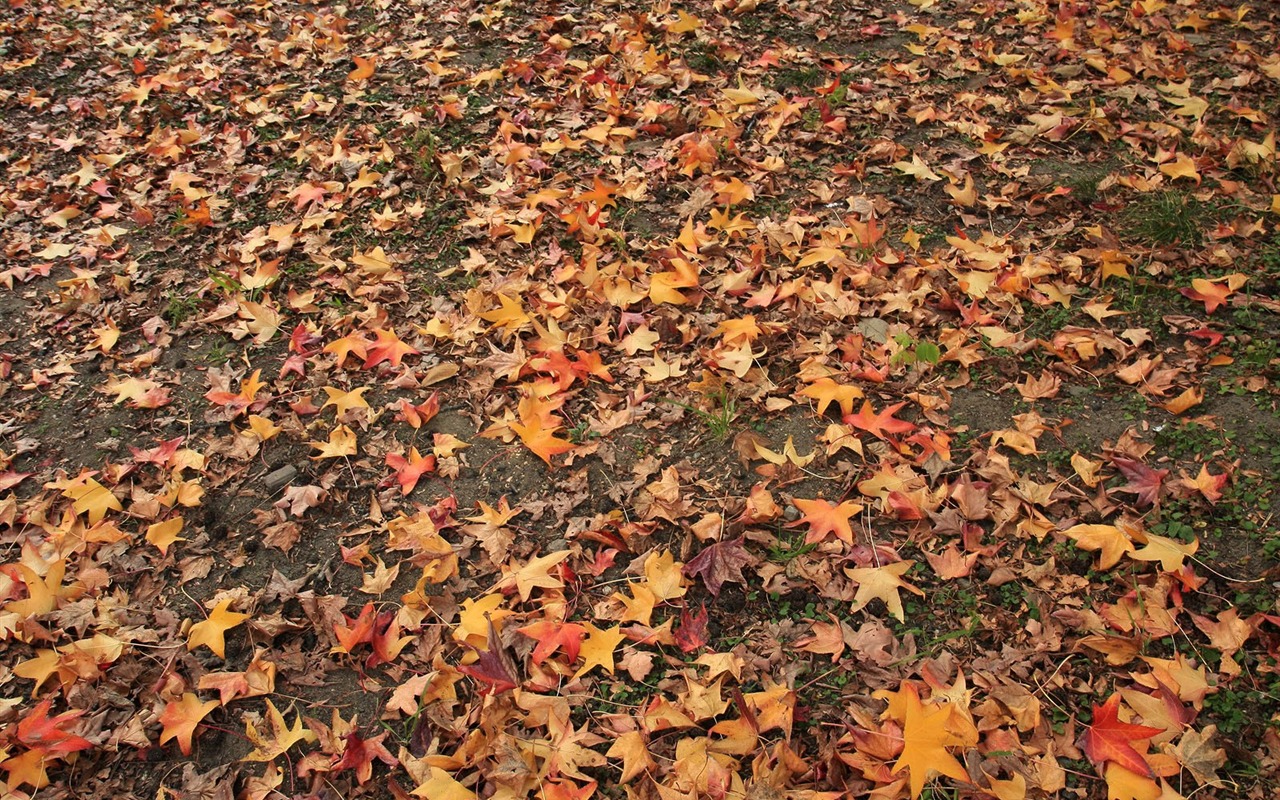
(719, 419)
(581, 433)
(179, 308)
(914, 352)
(1168, 218)
(424, 147)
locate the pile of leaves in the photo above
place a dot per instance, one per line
(653, 400)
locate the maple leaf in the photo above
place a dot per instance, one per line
(1110, 541)
(442, 786)
(1213, 293)
(1209, 485)
(634, 752)
(882, 583)
(1169, 552)
(1108, 740)
(879, 425)
(1144, 481)
(692, 633)
(1124, 784)
(536, 574)
(211, 632)
(358, 754)
(826, 391)
(364, 71)
(597, 649)
(180, 718)
(721, 563)
(537, 429)
(387, 347)
(342, 443)
(345, 401)
(89, 497)
(356, 631)
(1196, 753)
(26, 769)
(38, 730)
(353, 343)
(509, 316)
(663, 575)
(823, 518)
(925, 738)
(493, 666)
(419, 415)
(281, 736)
(410, 469)
(164, 534)
(552, 636)
(241, 400)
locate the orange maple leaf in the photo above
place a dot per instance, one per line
(823, 518)
(364, 69)
(353, 343)
(826, 391)
(879, 425)
(181, 717)
(537, 428)
(552, 636)
(924, 741)
(387, 347)
(1214, 293)
(241, 400)
(409, 470)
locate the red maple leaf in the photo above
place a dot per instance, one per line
(1144, 481)
(879, 425)
(419, 415)
(1109, 739)
(410, 469)
(692, 632)
(493, 667)
(358, 754)
(38, 730)
(721, 562)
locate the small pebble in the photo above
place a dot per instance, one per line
(790, 513)
(281, 477)
(556, 545)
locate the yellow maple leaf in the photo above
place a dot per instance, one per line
(345, 401)
(282, 736)
(442, 786)
(685, 23)
(536, 574)
(342, 442)
(89, 497)
(212, 632)
(882, 583)
(1124, 784)
(509, 316)
(1183, 167)
(597, 649)
(164, 534)
(1110, 541)
(665, 578)
(474, 617)
(1169, 552)
(634, 752)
